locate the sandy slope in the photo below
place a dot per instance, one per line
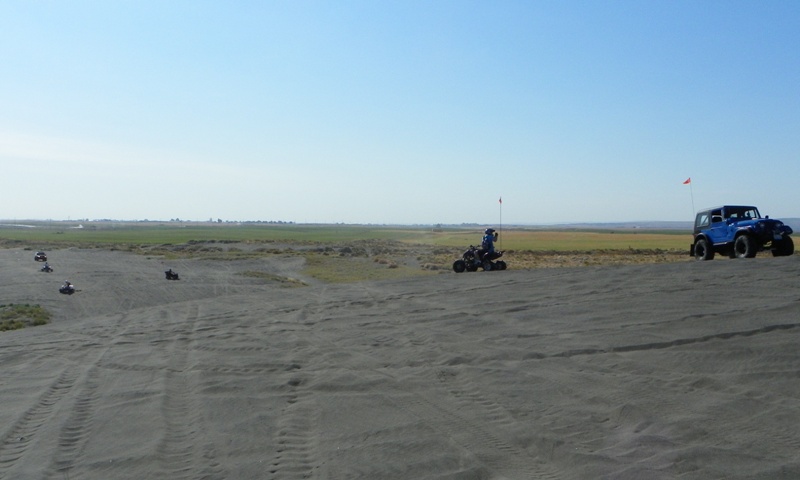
(687, 370)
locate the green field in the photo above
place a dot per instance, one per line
(49, 235)
(347, 253)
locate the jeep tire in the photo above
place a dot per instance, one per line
(703, 250)
(744, 247)
(783, 248)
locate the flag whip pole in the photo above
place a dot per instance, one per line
(691, 192)
(500, 228)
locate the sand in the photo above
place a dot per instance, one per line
(683, 370)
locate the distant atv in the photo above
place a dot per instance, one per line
(171, 275)
(738, 232)
(472, 259)
(67, 289)
(47, 268)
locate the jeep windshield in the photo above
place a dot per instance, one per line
(741, 213)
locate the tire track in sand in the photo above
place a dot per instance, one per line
(180, 453)
(472, 421)
(497, 454)
(678, 342)
(23, 433)
(76, 430)
(460, 410)
(296, 445)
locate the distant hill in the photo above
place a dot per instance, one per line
(792, 222)
(645, 225)
(650, 225)
(642, 225)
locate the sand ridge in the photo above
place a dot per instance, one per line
(680, 370)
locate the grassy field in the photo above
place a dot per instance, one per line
(346, 253)
(152, 234)
(571, 240)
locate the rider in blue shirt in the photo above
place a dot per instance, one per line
(487, 244)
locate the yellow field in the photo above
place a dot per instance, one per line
(358, 252)
(570, 241)
(107, 234)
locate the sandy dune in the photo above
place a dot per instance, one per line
(686, 370)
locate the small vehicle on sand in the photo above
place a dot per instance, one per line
(473, 259)
(40, 257)
(171, 275)
(46, 268)
(67, 289)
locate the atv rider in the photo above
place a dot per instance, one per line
(487, 245)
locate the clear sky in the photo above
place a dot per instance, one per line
(398, 111)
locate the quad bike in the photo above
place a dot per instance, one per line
(472, 259)
(47, 268)
(171, 275)
(67, 289)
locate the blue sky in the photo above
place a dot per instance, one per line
(398, 111)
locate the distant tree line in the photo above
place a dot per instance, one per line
(178, 220)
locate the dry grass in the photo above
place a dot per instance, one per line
(347, 268)
(350, 260)
(373, 259)
(526, 259)
(285, 282)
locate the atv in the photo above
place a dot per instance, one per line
(473, 258)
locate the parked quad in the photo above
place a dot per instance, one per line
(473, 258)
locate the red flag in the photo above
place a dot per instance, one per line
(688, 181)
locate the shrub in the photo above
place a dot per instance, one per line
(15, 316)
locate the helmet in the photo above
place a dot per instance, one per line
(489, 231)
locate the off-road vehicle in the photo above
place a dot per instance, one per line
(739, 232)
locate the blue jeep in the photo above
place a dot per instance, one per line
(739, 232)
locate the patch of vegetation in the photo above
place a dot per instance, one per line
(569, 240)
(205, 250)
(386, 261)
(526, 259)
(350, 253)
(207, 239)
(49, 235)
(286, 282)
(345, 269)
(16, 316)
